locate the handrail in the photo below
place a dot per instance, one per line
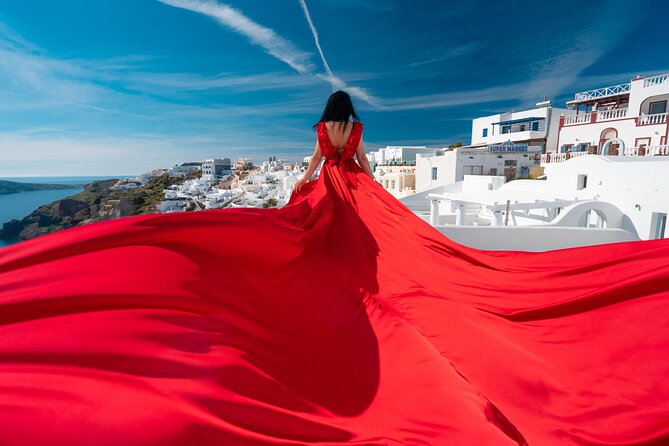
(602, 92)
(656, 80)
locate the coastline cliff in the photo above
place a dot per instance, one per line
(13, 187)
(98, 201)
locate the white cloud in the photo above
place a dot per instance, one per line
(451, 53)
(260, 35)
(273, 43)
(336, 82)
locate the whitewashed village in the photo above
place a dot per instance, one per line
(592, 171)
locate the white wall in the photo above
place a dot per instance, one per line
(638, 186)
(446, 170)
(453, 165)
(627, 130)
(404, 153)
(533, 239)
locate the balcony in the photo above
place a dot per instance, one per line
(662, 150)
(527, 135)
(560, 157)
(615, 113)
(656, 80)
(598, 93)
(583, 118)
(612, 115)
(660, 118)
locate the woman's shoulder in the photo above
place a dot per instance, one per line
(357, 127)
(331, 123)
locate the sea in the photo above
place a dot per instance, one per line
(19, 205)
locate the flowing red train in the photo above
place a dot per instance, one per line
(340, 318)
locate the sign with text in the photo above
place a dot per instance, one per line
(507, 147)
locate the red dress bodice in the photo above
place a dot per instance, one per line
(340, 157)
(331, 152)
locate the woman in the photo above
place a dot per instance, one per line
(340, 318)
(342, 138)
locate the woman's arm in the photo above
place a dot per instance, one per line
(313, 164)
(363, 161)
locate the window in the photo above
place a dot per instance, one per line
(658, 107)
(506, 129)
(434, 173)
(485, 133)
(493, 171)
(535, 126)
(582, 182)
(583, 147)
(658, 225)
(509, 163)
(523, 127)
(392, 184)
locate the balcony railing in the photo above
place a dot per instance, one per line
(615, 113)
(578, 119)
(656, 80)
(662, 150)
(659, 118)
(602, 92)
(559, 157)
(612, 114)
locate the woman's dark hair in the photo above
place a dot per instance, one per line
(339, 109)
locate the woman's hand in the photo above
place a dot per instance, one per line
(298, 184)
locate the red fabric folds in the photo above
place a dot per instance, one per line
(341, 318)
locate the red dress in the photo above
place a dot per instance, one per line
(340, 318)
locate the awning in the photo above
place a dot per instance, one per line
(516, 121)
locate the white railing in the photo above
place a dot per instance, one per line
(603, 92)
(559, 157)
(496, 210)
(578, 119)
(662, 150)
(656, 80)
(659, 118)
(615, 113)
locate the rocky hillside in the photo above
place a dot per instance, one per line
(97, 202)
(12, 187)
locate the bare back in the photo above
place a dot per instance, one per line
(338, 134)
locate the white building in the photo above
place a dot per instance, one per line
(399, 180)
(583, 201)
(535, 127)
(448, 166)
(379, 157)
(243, 163)
(401, 154)
(149, 174)
(214, 169)
(183, 168)
(371, 157)
(611, 119)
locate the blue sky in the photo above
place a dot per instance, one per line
(121, 86)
